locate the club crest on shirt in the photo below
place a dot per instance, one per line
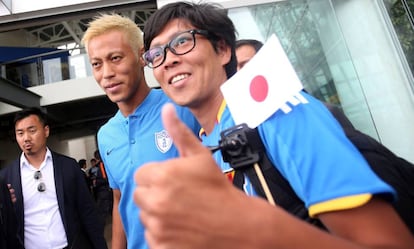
(163, 141)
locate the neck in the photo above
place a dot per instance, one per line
(36, 159)
(206, 114)
(128, 107)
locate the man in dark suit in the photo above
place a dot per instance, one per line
(53, 206)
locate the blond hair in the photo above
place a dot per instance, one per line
(104, 23)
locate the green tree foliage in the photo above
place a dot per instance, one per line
(401, 13)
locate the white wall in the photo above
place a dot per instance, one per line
(67, 90)
(82, 148)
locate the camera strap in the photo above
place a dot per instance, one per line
(243, 149)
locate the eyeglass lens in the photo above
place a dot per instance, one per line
(41, 187)
(179, 45)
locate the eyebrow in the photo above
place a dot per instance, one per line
(108, 55)
(30, 127)
(169, 38)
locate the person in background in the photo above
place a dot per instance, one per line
(82, 165)
(134, 135)
(189, 203)
(92, 171)
(53, 206)
(92, 162)
(245, 50)
(102, 191)
(91, 168)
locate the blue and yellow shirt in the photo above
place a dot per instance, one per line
(310, 149)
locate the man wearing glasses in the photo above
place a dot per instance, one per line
(53, 206)
(135, 134)
(200, 207)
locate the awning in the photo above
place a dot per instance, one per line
(28, 55)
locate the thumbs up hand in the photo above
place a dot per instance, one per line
(187, 202)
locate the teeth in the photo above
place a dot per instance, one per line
(178, 77)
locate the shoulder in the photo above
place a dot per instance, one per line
(114, 119)
(340, 116)
(311, 113)
(158, 92)
(187, 117)
(112, 124)
(156, 96)
(63, 158)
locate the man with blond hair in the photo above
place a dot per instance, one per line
(135, 134)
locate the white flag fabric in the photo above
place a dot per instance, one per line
(263, 86)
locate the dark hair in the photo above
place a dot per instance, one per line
(31, 111)
(82, 163)
(97, 155)
(205, 16)
(250, 42)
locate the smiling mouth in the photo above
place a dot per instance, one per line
(178, 78)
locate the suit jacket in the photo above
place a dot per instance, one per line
(8, 227)
(83, 226)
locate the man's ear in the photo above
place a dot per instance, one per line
(140, 53)
(47, 130)
(225, 51)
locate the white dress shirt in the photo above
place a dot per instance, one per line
(43, 226)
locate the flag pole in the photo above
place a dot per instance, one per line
(265, 187)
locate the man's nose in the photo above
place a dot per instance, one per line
(107, 70)
(170, 58)
(26, 136)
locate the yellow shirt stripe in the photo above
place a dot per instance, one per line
(218, 118)
(342, 203)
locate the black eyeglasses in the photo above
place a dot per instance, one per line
(181, 44)
(41, 187)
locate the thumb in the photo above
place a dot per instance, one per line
(184, 139)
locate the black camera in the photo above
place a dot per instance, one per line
(240, 146)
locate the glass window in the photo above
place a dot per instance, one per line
(344, 53)
(401, 14)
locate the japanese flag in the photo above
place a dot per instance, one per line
(263, 86)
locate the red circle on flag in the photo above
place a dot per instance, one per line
(259, 88)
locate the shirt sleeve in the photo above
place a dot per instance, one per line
(311, 151)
